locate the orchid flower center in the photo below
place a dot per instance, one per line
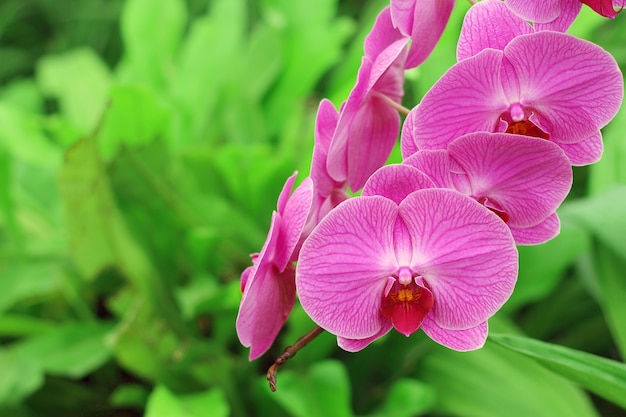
(519, 123)
(526, 128)
(495, 207)
(405, 302)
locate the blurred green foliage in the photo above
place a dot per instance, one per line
(143, 144)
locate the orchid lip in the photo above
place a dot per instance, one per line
(406, 304)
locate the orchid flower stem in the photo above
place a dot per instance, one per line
(399, 107)
(473, 1)
(290, 352)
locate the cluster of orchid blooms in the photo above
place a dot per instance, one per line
(430, 243)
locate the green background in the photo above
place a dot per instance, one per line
(143, 144)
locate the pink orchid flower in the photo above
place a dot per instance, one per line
(547, 85)
(368, 124)
(423, 21)
(491, 24)
(520, 179)
(328, 192)
(268, 286)
(545, 11)
(437, 260)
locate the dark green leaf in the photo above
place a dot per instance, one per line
(604, 377)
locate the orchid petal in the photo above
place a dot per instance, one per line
(527, 177)
(283, 197)
(344, 265)
(325, 124)
(539, 233)
(459, 340)
(489, 24)
(268, 298)
(536, 11)
(604, 7)
(378, 126)
(465, 254)
(402, 13)
(407, 139)
(585, 152)
(429, 20)
(383, 34)
(292, 224)
(468, 98)
(436, 165)
(569, 12)
(354, 345)
(368, 126)
(573, 83)
(396, 182)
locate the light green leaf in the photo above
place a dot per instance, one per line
(152, 31)
(610, 170)
(602, 216)
(204, 73)
(20, 281)
(21, 376)
(311, 29)
(164, 403)
(407, 398)
(323, 391)
(542, 267)
(494, 382)
(80, 81)
(72, 350)
(135, 117)
(130, 395)
(22, 137)
(15, 325)
(604, 377)
(609, 274)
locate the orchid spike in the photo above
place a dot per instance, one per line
(438, 261)
(269, 284)
(369, 123)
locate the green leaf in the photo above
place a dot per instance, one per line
(311, 29)
(135, 117)
(610, 170)
(609, 275)
(323, 391)
(604, 377)
(19, 281)
(407, 398)
(142, 344)
(152, 32)
(130, 395)
(164, 403)
(202, 76)
(21, 135)
(495, 382)
(21, 376)
(72, 350)
(602, 215)
(80, 81)
(97, 234)
(542, 267)
(13, 325)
